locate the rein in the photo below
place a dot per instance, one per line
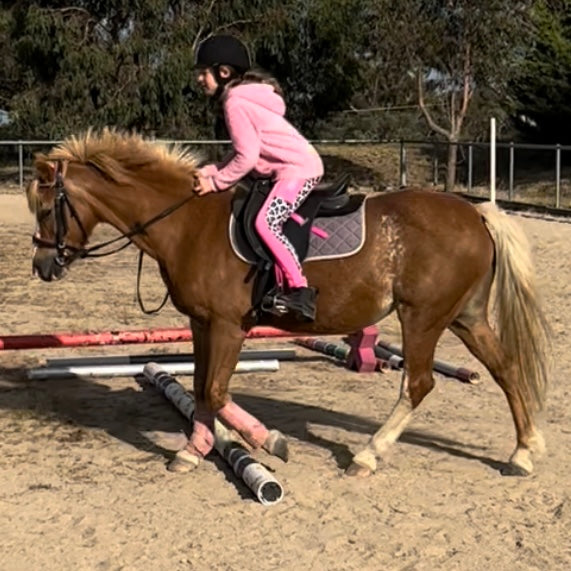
(66, 253)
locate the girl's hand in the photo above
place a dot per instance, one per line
(203, 185)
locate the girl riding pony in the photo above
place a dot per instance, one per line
(264, 143)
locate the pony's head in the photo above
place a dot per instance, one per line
(70, 181)
(63, 226)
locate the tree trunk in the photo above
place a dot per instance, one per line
(451, 165)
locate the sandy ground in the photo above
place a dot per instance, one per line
(84, 487)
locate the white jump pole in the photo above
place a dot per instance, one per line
(45, 373)
(493, 160)
(264, 486)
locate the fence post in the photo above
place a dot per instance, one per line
(511, 180)
(402, 164)
(557, 176)
(434, 166)
(21, 164)
(493, 160)
(470, 166)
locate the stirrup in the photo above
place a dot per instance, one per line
(277, 302)
(273, 303)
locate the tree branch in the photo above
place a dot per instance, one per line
(421, 103)
(452, 110)
(467, 88)
(235, 23)
(68, 10)
(203, 25)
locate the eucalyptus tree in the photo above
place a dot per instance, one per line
(120, 62)
(129, 62)
(456, 51)
(543, 92)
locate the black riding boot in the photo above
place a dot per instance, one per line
(300, 301)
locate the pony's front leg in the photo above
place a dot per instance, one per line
(202, 438)
(216, 351)
(253, 431)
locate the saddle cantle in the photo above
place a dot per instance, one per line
(337, 213)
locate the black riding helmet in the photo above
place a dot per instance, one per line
(223, 50)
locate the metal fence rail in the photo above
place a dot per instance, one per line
(406, 162)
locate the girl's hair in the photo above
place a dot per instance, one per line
(256, 76)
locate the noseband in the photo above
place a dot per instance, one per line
(65, 252)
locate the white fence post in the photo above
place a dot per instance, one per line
(493, 160)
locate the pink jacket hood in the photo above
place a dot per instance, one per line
(263, 140)
(260, 94)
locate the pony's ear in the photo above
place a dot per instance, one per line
(45, 169)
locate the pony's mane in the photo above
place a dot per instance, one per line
(117, 154)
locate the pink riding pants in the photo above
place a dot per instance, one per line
(284, 199)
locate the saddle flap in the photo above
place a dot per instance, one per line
(332, 189)
(245, 206)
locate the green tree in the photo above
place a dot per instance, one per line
(129, 62)
(98, 63)
(456, 50)
(312, 52)
(8, 83)
(543, 93)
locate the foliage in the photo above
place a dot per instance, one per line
(543, 94)
(349, 68)
(452, 50)
(129, 63)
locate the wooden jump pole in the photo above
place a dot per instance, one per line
(55, 340)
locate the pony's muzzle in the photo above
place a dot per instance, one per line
(45, 266)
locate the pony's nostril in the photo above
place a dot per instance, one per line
(43, 266)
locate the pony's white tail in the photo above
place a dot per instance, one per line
(521, 323)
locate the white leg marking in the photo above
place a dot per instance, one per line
(389, 433)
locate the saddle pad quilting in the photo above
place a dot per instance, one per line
(346, 236)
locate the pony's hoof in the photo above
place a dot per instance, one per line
(520, 464)
(512, 469)
(183, 462)
(276, 445)
(358, 471)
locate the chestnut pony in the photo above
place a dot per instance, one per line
(431, 257)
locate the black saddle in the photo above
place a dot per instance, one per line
(325, 200)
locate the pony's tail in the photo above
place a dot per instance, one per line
(521, 323)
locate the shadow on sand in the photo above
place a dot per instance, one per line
(129, 414)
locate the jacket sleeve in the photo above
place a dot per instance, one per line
(210, 169)
(246, 144)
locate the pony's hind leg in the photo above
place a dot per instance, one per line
(419, 343)
(482, 342)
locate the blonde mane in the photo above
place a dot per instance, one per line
(119, 157)
(118, 154)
